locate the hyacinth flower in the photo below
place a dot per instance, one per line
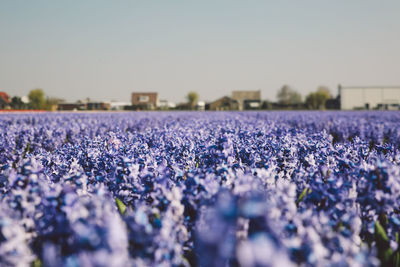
(205, 189)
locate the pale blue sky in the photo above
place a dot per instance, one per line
(107, 49)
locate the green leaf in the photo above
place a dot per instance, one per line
(380, 232)
(397, 259)
(385, 253)
(37, 263)
(121, 206)
(302, 195)
(397, 255)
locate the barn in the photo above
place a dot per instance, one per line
(369, 97)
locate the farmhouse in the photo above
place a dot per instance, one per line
(119, 105)
(98, 106)
(145, 100)
(223, 103)
(369, 97)
(165, 104)
(4, 100)
(71, 106)
(247, 99)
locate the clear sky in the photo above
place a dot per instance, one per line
(107, 49)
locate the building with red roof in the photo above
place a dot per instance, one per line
(4, 100)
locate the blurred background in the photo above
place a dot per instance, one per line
(204, 55)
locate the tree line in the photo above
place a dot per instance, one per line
(37, 100)
(288, 97)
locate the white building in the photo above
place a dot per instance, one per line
(369, 97)
(118, 105)
(201, 105)
(165, 104)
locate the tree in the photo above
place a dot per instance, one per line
(52, 102)
(37, 99)
(287, 96)
(325, 91)
(265, 105)
(295, 98)
(317, 100)
(192, 99)
(311, 101)
(17, 103)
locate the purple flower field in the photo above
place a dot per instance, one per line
(200, 189)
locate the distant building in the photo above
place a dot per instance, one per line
(223, 103)
(251, 104)
(369, 97)
(247, 99)
(71, 106)
(145, 100)
(201, 105)
(4, 100)
(333, 103)
(165, 104)
(119, 105)
(98, 106)
(83, 105)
